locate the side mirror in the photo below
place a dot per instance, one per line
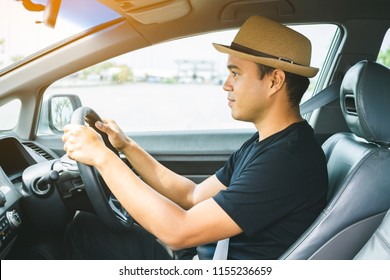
(57, 112)
(61, 108)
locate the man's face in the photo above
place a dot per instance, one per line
(247, 94)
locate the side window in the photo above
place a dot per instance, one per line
(9, 114)
(384, 53)
(321, 37)
(171, 86)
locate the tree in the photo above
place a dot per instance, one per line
(384, 57)
(97, 69)
(124, 74)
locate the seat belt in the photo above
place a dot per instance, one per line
(324, 97)
(221, 251)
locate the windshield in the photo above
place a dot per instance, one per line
(16, 20)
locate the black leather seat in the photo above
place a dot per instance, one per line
(358, 167)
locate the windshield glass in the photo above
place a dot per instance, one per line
(16, 20)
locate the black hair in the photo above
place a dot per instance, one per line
(296, 84)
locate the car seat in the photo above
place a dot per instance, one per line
(358, 169)
(378, 247)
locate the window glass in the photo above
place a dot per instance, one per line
(172, 86)
(16, 20)
(384, 53)
(9, 114)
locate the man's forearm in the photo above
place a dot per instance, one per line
(173, 186)
(170, 223)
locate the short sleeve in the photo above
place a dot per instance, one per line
(264, 191)
(225, 174)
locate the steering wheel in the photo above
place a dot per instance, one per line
(107, 207)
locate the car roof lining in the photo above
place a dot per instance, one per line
(150, 11)
(234, 13)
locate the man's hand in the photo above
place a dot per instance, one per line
(83, 144)
(115, 134)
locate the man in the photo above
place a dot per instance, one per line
(263, 199)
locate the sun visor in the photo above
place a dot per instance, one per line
(150, 11)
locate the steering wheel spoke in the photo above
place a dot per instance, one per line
(119, 210)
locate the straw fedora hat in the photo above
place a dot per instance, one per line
(272, 44)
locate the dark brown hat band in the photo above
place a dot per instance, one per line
(241, 48)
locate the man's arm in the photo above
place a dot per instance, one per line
(171, 185)
(177, 188)
(178, 228)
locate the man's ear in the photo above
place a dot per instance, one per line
(277, 78)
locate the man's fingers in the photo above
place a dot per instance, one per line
(102, 126)
(106, 126)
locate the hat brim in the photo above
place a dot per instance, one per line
(301, 70)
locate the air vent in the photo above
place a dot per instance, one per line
(39, 150)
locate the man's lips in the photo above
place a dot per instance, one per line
(231, 100)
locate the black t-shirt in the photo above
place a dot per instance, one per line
(275, 190)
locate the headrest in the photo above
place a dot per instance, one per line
(365, 101)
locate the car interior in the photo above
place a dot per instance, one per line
(41, 190)
(344, 226)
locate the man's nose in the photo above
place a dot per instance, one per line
(227, 86)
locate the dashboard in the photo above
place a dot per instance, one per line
(10, 219)
(23, 209)
(13, 160)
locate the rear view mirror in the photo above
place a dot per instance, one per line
(50, 10)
